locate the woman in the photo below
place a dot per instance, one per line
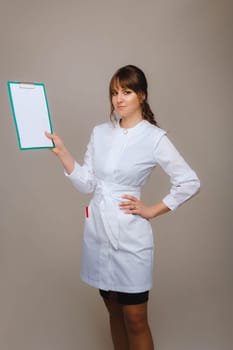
(118, 240)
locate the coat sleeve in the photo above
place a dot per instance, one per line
(82, 177)
(184, 181)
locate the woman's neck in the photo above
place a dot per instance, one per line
(130, 122)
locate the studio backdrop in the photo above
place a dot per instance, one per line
(73, 47)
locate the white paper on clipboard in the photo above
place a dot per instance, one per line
(31, 114)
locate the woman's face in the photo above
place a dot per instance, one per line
(126, 102)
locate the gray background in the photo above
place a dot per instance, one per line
(74, 47)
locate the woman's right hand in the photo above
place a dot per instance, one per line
(61, 152)
(59, 148)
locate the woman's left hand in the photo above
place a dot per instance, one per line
(136, 206)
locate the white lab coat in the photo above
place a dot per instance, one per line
(117, 247)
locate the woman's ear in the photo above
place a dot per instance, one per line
(141, 97)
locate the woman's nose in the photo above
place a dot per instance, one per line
(119, 97)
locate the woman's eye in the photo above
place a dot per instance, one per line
(114, 93)
(127, 92)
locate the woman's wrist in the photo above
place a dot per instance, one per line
(63, 154)
(159, 209)
(67, 161)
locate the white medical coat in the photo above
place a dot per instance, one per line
(117, 247)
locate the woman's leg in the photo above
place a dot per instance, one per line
(117, 324)
(137, 327)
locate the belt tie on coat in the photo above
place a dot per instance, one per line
(108, 195)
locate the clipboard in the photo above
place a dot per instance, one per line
(31, 114)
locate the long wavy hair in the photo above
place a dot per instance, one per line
(132, 77)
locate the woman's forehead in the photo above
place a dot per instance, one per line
(119, 85)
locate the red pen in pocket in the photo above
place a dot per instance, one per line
(87, 212)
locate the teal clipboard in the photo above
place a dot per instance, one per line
(31, 115)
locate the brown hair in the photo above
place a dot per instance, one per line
(133, 78)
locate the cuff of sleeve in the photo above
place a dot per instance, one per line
(170, 202)
(73, 173)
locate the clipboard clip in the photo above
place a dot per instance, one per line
(27, 85)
